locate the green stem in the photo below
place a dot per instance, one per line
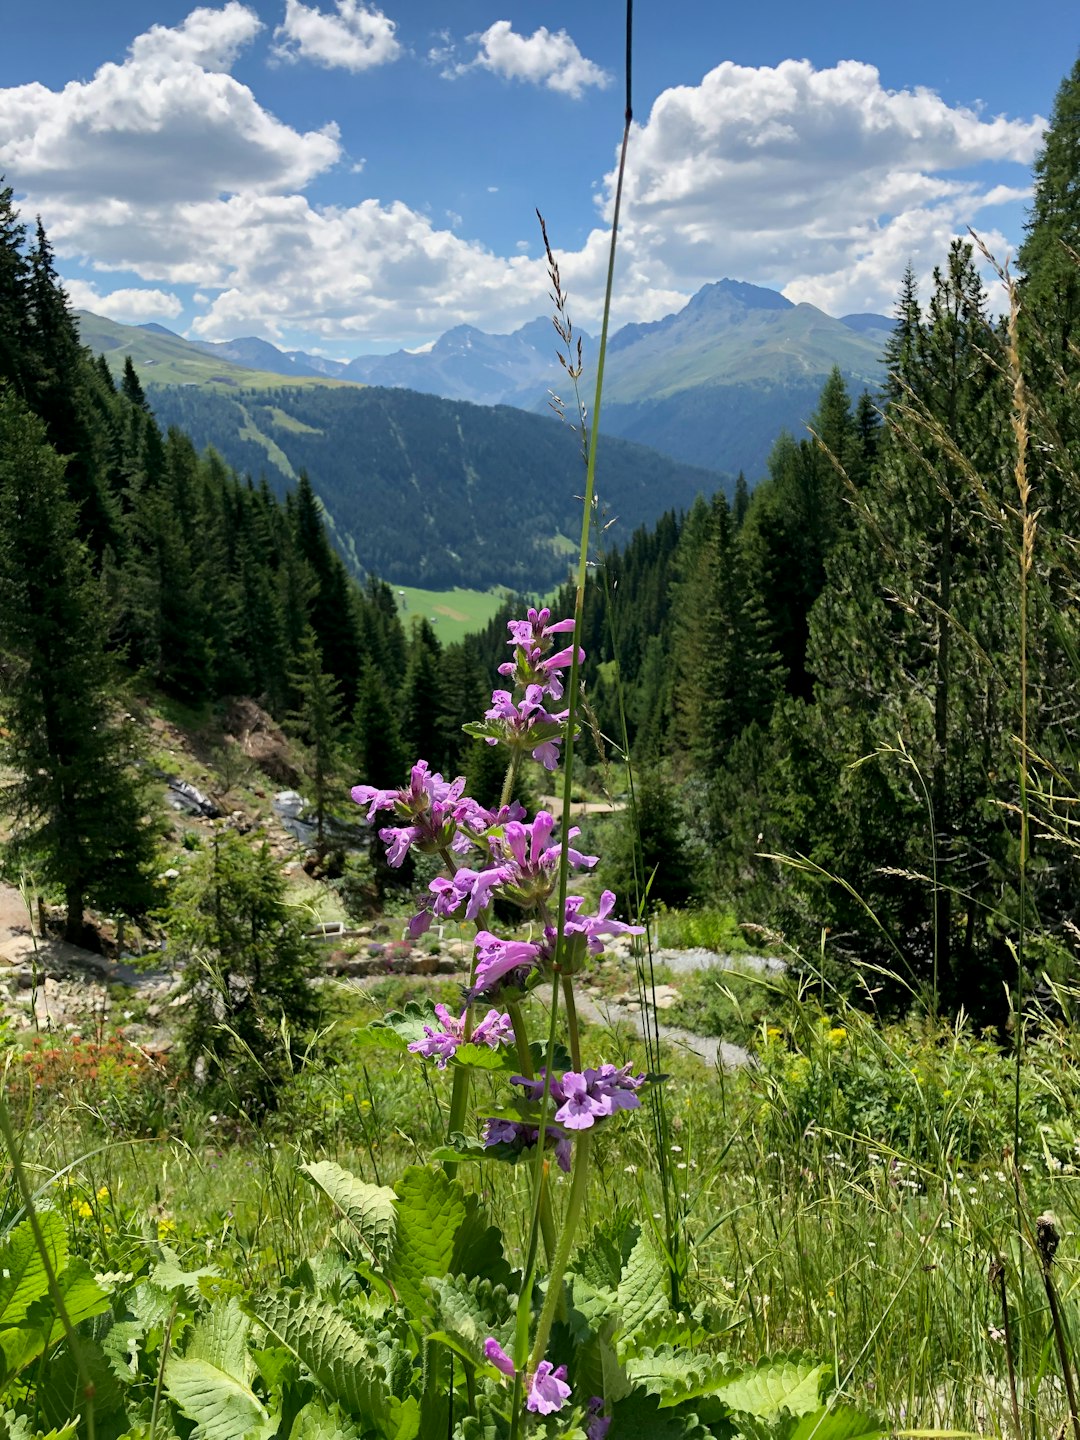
(575, 1205)
(508, 783)
(572, 1023)
(524, 1054)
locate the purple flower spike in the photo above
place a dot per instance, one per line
(498, 1357)
(427, 805)
(521, 1137)
(548, 1391)
(595, 1095)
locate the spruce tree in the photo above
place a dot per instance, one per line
(316, 720)
(78, 811)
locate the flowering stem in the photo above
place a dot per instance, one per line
(524, 1054)
(574, 1207)
(508, 783)
(459, 1094)
(572, 1022)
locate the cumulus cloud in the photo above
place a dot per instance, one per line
(357, 37)
(169, 123)
(543, 58)
(820, 181)
(128, 306)
(166, 169)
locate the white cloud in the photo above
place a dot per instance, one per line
(819, 181)
(357, 38)
(167, 125)
(544, 58)
(129, 307)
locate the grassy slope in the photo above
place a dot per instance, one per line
(169, 360)
(452, 613)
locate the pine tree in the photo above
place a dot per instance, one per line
(78, 810)
(317, 722)
(14, 294)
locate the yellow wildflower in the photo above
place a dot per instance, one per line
(103, 1192)
(837, 1035)
(84, 1210)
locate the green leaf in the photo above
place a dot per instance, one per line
(430, 1210)
(466, 1312)
(63, 1398)
(83, 1299)
(675, 1376)
(478, 1248)
(211, 1382)
(369, 1209)
(639, 1417)
(774, 1384)
(400, 1028)
(341, 1360)
(23, 1277)
(169, 1274)
(317, 1422)
(642, 1292)
(841, 1422)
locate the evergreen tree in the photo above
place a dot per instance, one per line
(78, 809)
(317, 722)
(421, 733)
(14, 294)
(246, 968)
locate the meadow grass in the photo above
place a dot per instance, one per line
(845, 1195)
(452, 614)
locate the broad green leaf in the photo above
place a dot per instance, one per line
(780, 1383)
(83, 1299)
(675, 1376)
(478, 1249)
(169, 1274)
(369, 1209)
(465, 1313)
(63, 1397)
(840, 1422)
(430, 1210)
(316, 1421)
(642, 1292)
(341, 1360)
(122, 1345)
(639, 1417)
(211, 1382)
(23, 1276)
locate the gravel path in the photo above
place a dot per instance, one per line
(713, 1051)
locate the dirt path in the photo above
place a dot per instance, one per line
(712, 1050)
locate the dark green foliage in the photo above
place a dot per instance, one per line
(246, 968)
(317, 722)
(78, 808)
(416, 487)
(649, 849)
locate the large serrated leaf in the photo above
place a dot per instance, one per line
(316, 1422)
(211, 1382)
(780, 1383)
(841, 1422)
(430, 1210)
(23, 1276)
(478, 1249)
(642, 1292)
(465, 1313)
(639, 1417)
(63, 1397)
(83, 1299)
(675, 1376)
(369, 1209)
(341, 1360)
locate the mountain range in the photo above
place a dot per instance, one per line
(443, 466)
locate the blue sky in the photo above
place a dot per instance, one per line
(349, 178)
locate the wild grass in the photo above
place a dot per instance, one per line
(847, 1195)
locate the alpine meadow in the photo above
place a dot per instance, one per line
(539, 861)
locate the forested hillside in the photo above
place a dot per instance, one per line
(431, 492)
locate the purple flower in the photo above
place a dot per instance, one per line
(497, 958)
(598, 1425)
(535, 629)
(584, 1098)
(441, 1045)
(498, 1356)
(427, 803)
(527, 725)
(548, 1391)
(521, 1137)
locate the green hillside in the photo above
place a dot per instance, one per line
(163, 358)
(430, 492)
